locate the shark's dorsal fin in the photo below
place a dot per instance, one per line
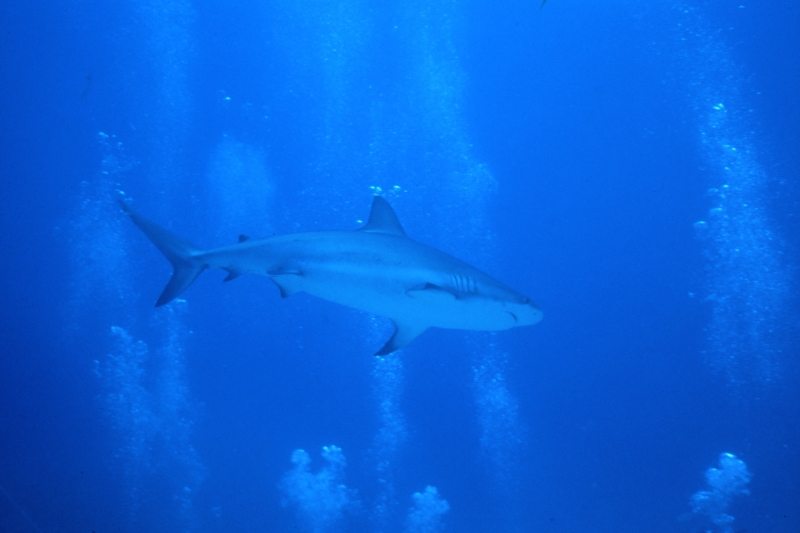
(404, 332)
(382, 219)
(243, 238)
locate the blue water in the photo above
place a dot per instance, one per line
(630, 166)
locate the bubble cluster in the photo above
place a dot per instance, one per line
(725, 482)
(319, 499)
(427, 513)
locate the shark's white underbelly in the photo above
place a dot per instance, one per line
(391, 292)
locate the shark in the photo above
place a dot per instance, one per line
(376, 268)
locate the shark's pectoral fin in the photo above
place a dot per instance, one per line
(232, 274)
(404, 332)
(432, 293)
(289, 282)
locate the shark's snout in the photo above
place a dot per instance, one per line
(537, 314)
(528, 314)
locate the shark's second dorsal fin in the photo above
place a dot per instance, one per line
(382, 219)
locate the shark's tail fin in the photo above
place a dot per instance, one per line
(180, 253)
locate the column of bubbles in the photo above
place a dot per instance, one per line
(387, 386)
(184, 473)
(241, 191)
(387, 373)
(171, 470)
(167, 46)
(99, 258)
(102, 297)
(145, 400)
(467, 185)
(501, 431)
(748, 283)
(748, 278)
(329, 48)
(128, 407)
(724, 483)
(143, 390)
(326, 44)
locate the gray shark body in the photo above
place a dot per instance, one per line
(375, 269)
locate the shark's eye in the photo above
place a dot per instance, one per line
(526, 300)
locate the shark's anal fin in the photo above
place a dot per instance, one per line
(432, 293)
(404, 332)
(288, 281)
(382, 219)
(232, 274)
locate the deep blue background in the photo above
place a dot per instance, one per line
(587, 116)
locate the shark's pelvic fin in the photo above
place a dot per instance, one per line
(403, 334)
(179, 252)
(243, 238)
(382, 219)
(288, 281)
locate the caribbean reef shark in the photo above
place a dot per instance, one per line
(375, 269)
